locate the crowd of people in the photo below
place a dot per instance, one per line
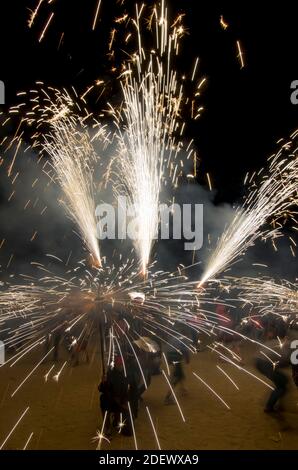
(130, 373)
(131, 365)
(274, 334)
(128, 376)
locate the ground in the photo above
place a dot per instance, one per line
(65, 414)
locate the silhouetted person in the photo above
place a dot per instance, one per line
(176, 356)
(114, 390)
(270, 365)
(295, 374)
(83, 348)
(57, 336)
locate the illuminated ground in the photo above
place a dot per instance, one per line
(65, 415)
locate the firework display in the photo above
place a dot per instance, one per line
(112, 305)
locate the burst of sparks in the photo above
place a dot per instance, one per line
(272, 199)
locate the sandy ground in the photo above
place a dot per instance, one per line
(65, 415)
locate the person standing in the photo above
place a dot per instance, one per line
(176, 356)
(271, 363)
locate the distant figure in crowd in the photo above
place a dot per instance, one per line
(57, 337)
(225, 323)
(271, 363)
(83, 348)
(295, 374)
(73, 349)
(176, 355)
(47, 344)
(79, 348)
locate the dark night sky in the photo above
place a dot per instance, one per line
(246, 110)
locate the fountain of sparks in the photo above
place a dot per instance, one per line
(272, 199)
(149, 128)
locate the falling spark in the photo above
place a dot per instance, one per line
(240, 54)
(249, 373)
(96, 15)
(194, 69)
(99, 435)
(132, 426)
(33, 236)
(28, 440)
(121, 19)
(174, 395)
(46, 27)
(153, 427)
(211, 390)
(112, 37)
(14, 157)
(228, 377)
(223, 23)
(60, 41)
(14, 427)
(34, 14)
(9, 261)
(48, 373)
(30, 373)
(209, 181)
(56, 376)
